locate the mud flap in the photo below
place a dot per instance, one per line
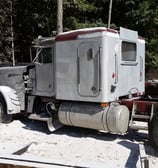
(53, 125)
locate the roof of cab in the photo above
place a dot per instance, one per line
(72, 35)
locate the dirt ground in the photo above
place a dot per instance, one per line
(73, 145)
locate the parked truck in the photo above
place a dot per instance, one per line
(92, 78)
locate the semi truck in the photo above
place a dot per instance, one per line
(92, 78)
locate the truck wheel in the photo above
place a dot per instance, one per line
(4, 117)
(153, 131)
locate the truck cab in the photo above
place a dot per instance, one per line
(43, 75)
(78, 78)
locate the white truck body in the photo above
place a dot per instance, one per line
(77, 79)
(99, 65)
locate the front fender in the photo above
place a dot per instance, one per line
(11, 98)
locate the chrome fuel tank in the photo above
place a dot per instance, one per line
(113, 118)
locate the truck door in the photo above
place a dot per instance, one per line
(45, 72)
(88, 69)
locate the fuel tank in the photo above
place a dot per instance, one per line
(113, 118)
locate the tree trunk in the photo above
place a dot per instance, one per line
(12, 33)
(59, 16)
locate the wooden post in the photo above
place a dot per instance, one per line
(59, 16)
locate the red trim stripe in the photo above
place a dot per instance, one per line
(74, 34)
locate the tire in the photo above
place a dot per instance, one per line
(153, 131)
(4, 117)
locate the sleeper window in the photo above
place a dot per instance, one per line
(128, 51)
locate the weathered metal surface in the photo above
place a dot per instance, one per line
(16, 161)
(143, 157)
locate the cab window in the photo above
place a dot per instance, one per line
(45, 55)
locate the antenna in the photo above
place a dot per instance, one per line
(110, 10)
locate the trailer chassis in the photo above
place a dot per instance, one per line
(144, 109)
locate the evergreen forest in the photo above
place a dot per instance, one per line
(22, 21)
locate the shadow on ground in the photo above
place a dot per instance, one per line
(132, 136)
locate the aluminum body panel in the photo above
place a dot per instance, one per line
(116, 77)
(70, 84)
(13, 78)
(43, 75)
(89, 69)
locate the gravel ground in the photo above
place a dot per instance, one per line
(73, 145)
